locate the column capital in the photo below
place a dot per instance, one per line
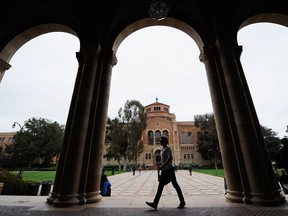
(238, 51)
(80, 57)
(4, 65)
(206, 54)
(110, 57)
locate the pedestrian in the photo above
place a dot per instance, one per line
(190, 170)
(225, 186)
(20, 174)
(133, 170)
(113, 170)
(276, 174)
(167, 175)
(283, 155)
(284, 181)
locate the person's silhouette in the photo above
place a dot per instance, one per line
(283, 155)
(167, 175)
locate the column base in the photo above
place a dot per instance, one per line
(235, 196)
(51, 198)
(66, 200)
(268, 199)
(93, 197)
(263, 199)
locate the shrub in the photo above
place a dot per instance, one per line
(12, 184)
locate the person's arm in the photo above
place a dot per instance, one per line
(169, 160)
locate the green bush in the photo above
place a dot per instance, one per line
(12, 184)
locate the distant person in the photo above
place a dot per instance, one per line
(284, 181)
(113, 171)
(20, 174)
(105, 186)
(283, 155)
(190, 170)
(133, 170)
(225, 186)
(276, 174)
(167, 175)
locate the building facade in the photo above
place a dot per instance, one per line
(182, 137)
(6, 138)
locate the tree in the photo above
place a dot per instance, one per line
(38, 141)
(125, 133)
(208, 144)
(272, 142)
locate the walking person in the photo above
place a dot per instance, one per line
(167, 175)
(190, 170)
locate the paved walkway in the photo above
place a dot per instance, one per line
(204, 195)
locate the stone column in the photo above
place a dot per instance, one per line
(262, 183)
(68, 193)
(102, 92)
(68, 126)
(232, 160)
(3, 67)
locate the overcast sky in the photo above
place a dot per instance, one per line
(160, 62)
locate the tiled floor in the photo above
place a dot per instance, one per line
(204, 195)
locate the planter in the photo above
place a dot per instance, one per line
(46, 188)
(33, 188)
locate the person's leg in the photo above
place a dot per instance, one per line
(154, 204)
(159, 193)
(178, 190)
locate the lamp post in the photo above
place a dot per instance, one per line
(16, 123)
(13, 154)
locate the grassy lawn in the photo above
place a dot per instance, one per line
(39, 176)
(214, 172)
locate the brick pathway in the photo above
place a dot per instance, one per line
(204, 196)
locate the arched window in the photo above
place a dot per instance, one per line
(190, 138)
(150, 138)
(158, 137)
(149, 156)
(165, 133)
(182, 137)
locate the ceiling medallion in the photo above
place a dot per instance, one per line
(158, 9)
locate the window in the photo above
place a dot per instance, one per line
(157, 108)
(150, 138)
(165, 133)
(158, 137)
(190, 138)
(184, 156)
(182, 138)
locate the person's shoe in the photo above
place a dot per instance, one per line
(152, 205)
(181, 205)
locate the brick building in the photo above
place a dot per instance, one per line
(6, 138)
(182, 136)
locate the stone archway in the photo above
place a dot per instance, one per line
(101, 29)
